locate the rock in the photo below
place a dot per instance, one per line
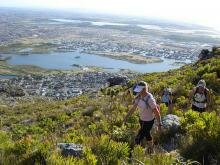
(171, 125)
(171, 122)
(88, 111)
(27, 121)
(117, 80)
(205, 54)
(14, 91)
(70, 149)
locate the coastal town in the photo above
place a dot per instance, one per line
(37, 33)
(52, 35)
(189, 52)
(58, 86)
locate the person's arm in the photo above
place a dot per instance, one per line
(131, 111)
(208, 97)
(153, 105)
(209, 101)
(158, 117)
(191, 95)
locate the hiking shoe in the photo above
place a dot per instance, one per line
(149, 150)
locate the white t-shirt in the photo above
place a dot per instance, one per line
(146, 106)
(199, 99)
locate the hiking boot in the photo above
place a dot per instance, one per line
(149, 150)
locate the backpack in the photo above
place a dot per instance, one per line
(167, 92)
(146, 101)
(205, 93)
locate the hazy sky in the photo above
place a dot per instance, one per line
(204, 12)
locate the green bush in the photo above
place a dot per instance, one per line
(100, 129)
(201, 141)
(109, 151)
(139, 156)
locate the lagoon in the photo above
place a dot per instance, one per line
(69, 61)
(7, 76)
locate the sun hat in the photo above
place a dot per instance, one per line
(201, 83)
(140, 86)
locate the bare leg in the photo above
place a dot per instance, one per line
(150, 147)
(170, 108)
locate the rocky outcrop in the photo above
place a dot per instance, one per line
(206, 54)
(88, 111)
(171, 122)
(12, 91)
(70, 149)
(170, 134)
(118, 80)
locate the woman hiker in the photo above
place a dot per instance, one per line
(148, 111)
(168, 99)
(199, 97)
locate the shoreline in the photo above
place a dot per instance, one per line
(8, 70)
(124, 56)
(132, 58)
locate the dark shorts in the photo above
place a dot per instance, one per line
(195, 108)
(144, 131)
(167, 103)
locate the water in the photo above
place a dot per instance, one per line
(68, 21)
(65, 61)
(211, 33)
(108, 23)
(7, 76)
(96, 23)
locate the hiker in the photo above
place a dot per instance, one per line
(148, 109)
(199, 97)
(167, 99)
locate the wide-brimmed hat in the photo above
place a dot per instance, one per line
(140, 86)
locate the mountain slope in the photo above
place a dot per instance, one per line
(31, 129)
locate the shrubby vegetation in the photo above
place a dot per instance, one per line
(30, 130)
(202, 134)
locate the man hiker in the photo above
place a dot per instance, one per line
(199, 97)
(167, 99)
(148, 111)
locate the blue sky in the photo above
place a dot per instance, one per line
(203, 12)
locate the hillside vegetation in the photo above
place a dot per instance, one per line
(30, 130)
